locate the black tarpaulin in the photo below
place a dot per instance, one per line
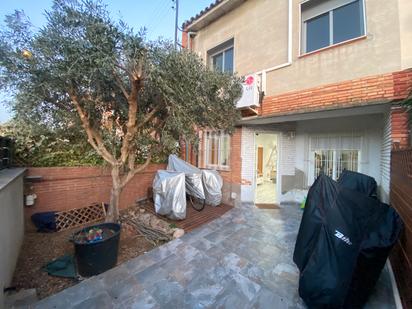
(45, 221)
(340, 230)
(372, 258)
(358, 182)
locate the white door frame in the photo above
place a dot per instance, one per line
(278, 146)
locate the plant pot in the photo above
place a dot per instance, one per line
(95, 257)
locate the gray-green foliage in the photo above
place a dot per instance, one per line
(83, 51)
(36, 145)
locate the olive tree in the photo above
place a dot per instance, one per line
(133, 98)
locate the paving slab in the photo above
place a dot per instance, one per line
(241, 260)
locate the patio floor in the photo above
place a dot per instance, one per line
(194, 218)
(240, 260)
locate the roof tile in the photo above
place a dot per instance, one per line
(201, 13)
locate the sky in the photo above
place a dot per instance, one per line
(157, 16)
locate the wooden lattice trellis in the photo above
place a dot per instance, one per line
(79, 216)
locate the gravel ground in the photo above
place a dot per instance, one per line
(40, 248)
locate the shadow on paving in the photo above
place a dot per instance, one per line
(240, 260)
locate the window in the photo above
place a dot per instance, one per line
(217, 149)
(333, 162)
(223, 61)
(329, 22)
(221, 57)
(317, 32)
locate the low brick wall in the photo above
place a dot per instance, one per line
(63, 188)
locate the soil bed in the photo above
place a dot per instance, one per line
(40, 248)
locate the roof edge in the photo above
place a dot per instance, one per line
(201, 13)
(211, 13)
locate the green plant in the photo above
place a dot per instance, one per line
(173, 225)
(134, 99)
(37, 146)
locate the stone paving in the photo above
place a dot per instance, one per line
(241, 260)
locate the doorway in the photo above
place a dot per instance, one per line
(266, 168)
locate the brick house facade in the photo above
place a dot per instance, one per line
(326, 107)
(368, 90)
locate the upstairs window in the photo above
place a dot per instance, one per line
(223, 61)
(221, 57)
(329, 22)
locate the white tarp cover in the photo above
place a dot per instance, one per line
(212, 183)
(194, 185)
(169, 194)
(294, 196)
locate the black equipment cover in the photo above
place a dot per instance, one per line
(343, 242)
(359, 182)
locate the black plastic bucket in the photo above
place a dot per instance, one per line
(99, 256)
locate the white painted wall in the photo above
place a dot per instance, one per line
(294, 149)
(248, 164)
(386, 159)
(369, 127)
(11, 224)
(288, 146)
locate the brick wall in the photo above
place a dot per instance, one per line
(400, 128)
(63, 188)
(185, 37)
(367, 90)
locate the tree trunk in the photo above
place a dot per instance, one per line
(113, 211)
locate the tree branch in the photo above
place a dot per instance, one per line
(131, 159)
(120, 84)
(133, 172)
(131, 126)
(122, 68)
(148, 117)
(94, 137)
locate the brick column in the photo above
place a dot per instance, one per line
(185, 39)
(400, 128)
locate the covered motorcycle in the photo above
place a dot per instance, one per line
(194, 185)
(213, 184)
(169, 194)
(359, 182)
(344, 239)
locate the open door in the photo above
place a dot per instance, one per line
(260, 161)
(266, 168)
